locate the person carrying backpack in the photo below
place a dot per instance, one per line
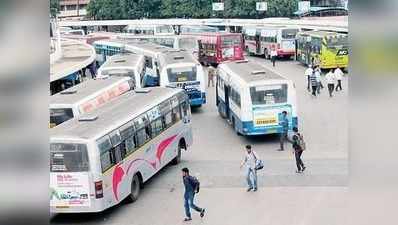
(191, 185)
(251, 161)
(298, 148)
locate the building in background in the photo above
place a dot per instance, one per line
(73, 8)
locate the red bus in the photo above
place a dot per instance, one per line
(217, 47)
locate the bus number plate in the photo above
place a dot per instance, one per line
(266, 121)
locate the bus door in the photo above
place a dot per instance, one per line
(200, 51)
(226, 92)
(151, 77)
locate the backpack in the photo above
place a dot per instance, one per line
(301, 141)
(195, 184)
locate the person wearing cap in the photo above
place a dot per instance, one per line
(308, 73)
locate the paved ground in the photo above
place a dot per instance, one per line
(284, 197)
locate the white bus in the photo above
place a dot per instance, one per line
(150, 29)
(261, 40)
(151, 54)
(106, 156)
(85, 97)
(253, 98)
(124, 65)
(180, 68)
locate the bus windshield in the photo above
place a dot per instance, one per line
(289, 33)
(68, 157)
(58, 116)
(181, 74)
(188, 43)
(269, 94)
(227, 41)
(336, 41)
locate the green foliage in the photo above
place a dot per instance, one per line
(54, 7)
(137, 9)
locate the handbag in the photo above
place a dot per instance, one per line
(259, 163)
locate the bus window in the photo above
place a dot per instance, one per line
(316, 45)
(148, 62)
(269, 94)
(68, 157)
(127, 133)
(105, 146)
(182, 74)
(289, 33)
(58, 116)
(143, 130)
(230, 41)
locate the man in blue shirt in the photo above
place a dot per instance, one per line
(284, 122)
(189, 184)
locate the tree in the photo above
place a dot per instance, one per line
(54, 8)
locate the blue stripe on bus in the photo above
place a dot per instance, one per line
(248, 128)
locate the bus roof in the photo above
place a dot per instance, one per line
(177, 56)
(83, 90)
(122, 60)
(146, 45)
(319, 33)
(251, 71)
(113, 114)
(219, 34)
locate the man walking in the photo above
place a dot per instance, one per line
(314, 83)
(339, 76)
(274, 54)
(251, 173)
(308, 73)
(297, 150)
(330, 80)
(190, 184)
(317, 72)
(284, 122)
(210, 76)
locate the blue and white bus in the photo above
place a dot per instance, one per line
(180, 68)
(106, 48)
(253, 98)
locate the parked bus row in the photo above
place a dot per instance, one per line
(160, 66)
(105, 154)
(326, 49)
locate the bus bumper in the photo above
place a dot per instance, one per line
(249, 129)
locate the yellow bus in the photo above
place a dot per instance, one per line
(326, 49)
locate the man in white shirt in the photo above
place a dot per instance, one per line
(339, 76)
(274, 54)
(330, 79)
(250, 162)
(308, 73)
(317, 72)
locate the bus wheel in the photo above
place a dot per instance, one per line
(135, 189)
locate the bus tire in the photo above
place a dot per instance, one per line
(135, 189)
(177, 159)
